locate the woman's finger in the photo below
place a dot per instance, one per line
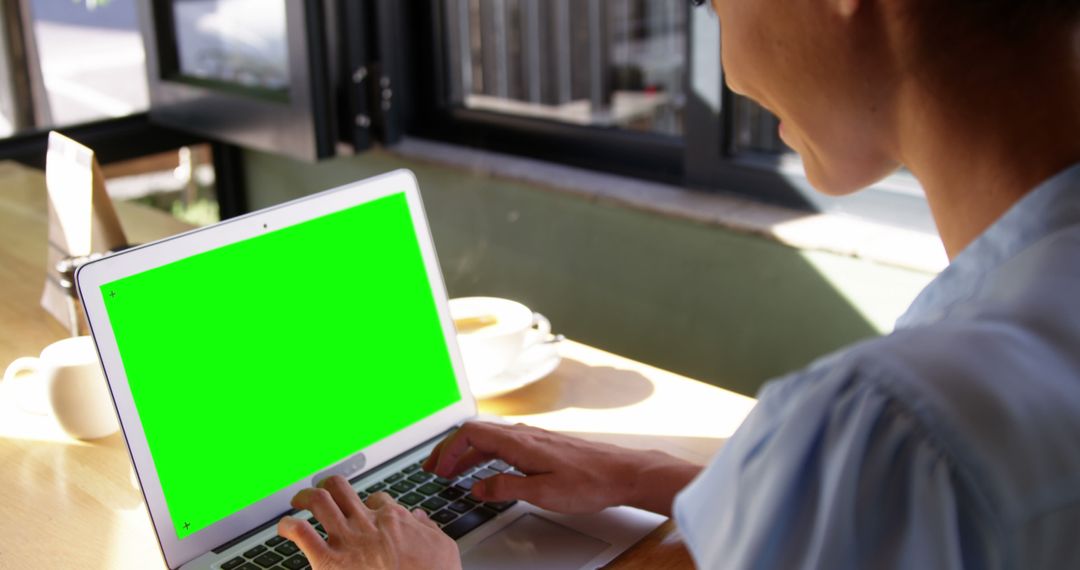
(470, 458)
(433, 459)
(539, 490)
(421, 515)
(346, 498)
(381, 500)
(322, 505)
(303, 534)
(493, 440)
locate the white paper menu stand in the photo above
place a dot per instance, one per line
(82, 221)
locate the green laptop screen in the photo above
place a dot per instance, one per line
(258, 364)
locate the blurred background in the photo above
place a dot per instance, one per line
(582, 156)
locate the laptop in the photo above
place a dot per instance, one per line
(250, 359)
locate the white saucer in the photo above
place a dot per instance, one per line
(535, 363)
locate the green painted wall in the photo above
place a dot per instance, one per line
(727, 308)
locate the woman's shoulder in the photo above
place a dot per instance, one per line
(998, 398)
(941, 435)
(831, 464)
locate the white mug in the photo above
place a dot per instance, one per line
(66, 381)
(500, 335)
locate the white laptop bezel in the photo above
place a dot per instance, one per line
(92, 275)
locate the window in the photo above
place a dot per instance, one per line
(633, 87)
(755, 129)
(79, 67)
(593, 62)
(91, 60)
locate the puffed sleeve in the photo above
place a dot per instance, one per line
(831, 471)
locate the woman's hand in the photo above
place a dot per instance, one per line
(562, 473)
(379, 534)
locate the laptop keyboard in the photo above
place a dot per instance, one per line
(445, 500)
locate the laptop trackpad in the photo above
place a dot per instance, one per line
(534, 543)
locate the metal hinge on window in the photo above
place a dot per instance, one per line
(362, 118)
(380, 89)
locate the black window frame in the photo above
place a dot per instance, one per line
(400, 48)
(705, 158)
(113, 139)
(702, 158)
(299, 121)
(644, 155)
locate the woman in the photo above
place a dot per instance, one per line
(954, 441)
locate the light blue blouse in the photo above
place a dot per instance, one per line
(953, 442)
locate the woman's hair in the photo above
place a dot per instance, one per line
(1002, 19)
(952, 34)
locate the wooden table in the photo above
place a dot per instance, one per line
(73, 504)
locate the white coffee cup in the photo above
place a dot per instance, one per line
(493, 332)
(66, 381)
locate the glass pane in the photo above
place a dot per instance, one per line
(237, 42)
(756, 129)
(612, 63)
(180, 182)
(91, 56)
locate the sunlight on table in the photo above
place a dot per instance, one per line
(643, 407)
